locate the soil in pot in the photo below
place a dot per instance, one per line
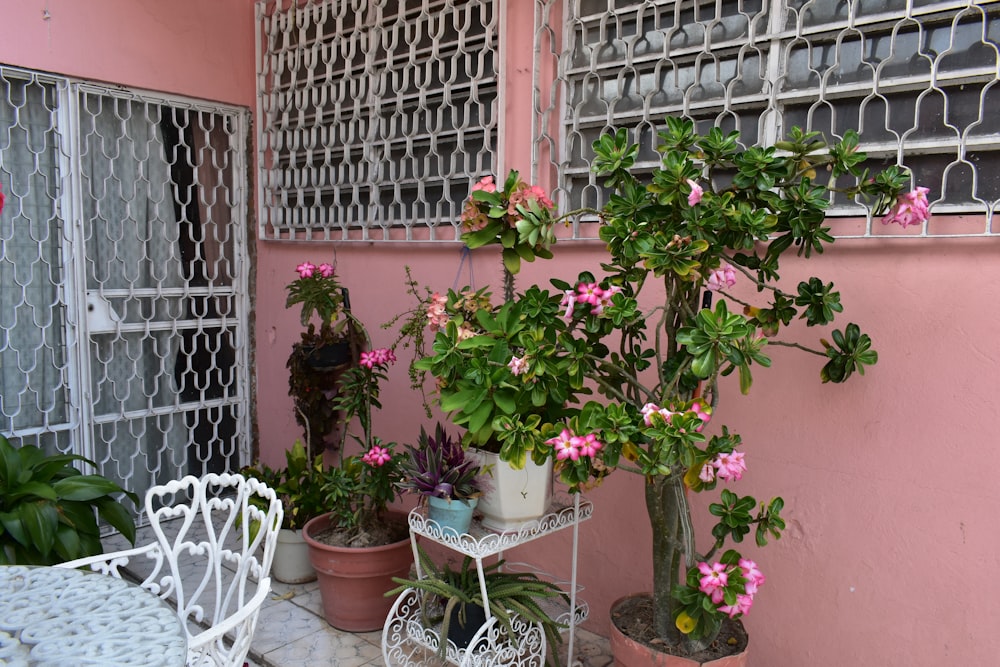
(390, 531)
(634, 618)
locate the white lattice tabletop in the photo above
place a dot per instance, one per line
(53, 617)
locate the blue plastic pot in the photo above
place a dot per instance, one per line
(454, 516)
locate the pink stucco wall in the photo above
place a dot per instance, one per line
(198, 48)
(892, 546)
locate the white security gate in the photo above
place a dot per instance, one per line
(123, 307)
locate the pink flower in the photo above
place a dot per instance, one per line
(648, 411)
(564, 446)
(703, 414)
(465, 331)
(305, 269)
(326, 270)
(568, 300)
(437, 316)
(651, 409)
(377, 456)
(485, 184)
(753, 575)
(517, 365)
(589, 293)
(707, 473)
(730, 466)
(381, 357)
(696, 193)
(605, 299)
(911, 208)
(742, 606)
(588, 444)
(535, 192)
(714, 577)
(724, 276)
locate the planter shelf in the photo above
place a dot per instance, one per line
(405, 640)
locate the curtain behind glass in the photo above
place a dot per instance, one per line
(131, 234)
(33, 395)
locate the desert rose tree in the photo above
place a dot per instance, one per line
(639, 329)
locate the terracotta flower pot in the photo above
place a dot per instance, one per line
(353, 581)
(630, 653)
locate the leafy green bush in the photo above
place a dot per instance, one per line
(47, 507)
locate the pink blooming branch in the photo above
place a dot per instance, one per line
(911, 208)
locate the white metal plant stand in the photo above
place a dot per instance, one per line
(405, 640)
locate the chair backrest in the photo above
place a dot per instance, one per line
(217, 544)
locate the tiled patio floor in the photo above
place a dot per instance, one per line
(291, 632)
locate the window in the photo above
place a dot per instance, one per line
(376, 117)
(916, 78)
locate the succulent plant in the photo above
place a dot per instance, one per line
(438, 467)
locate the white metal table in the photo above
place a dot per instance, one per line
(53, 617)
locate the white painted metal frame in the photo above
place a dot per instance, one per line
(710, 50)
(212, 308)
(375, 118)
(224, 586)
(404, 637)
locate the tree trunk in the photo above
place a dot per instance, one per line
(664, 508)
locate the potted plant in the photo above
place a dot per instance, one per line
(49, 510)
(299, 486)
(478, 346)
(455, 600)
(446, 479)
(644, 335)
(357, 546)
(321, 355)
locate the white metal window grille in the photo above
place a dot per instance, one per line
(123, 307)
(917, 79)
(376, 116)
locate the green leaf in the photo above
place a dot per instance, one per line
(120, 518)
(85, 487)
(511, 261)
(40, 520)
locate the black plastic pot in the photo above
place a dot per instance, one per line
(328, 357)
(461, 634)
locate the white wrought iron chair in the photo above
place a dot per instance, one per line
(211, 558)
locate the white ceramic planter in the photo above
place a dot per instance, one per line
(291, 558)
(516, 496)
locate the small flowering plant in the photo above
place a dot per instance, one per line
(359, 489)
(518, 216)
(711, 223)
(319, 293)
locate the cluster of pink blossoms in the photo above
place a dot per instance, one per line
(475, 218)
(651, 409)
(437, 316)
(590, 293)
(722, 277)
(377, 456)
(572, 447)
(380, 357)
(911, 208)
(726, 466)
(715, 577)
(308, 270)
